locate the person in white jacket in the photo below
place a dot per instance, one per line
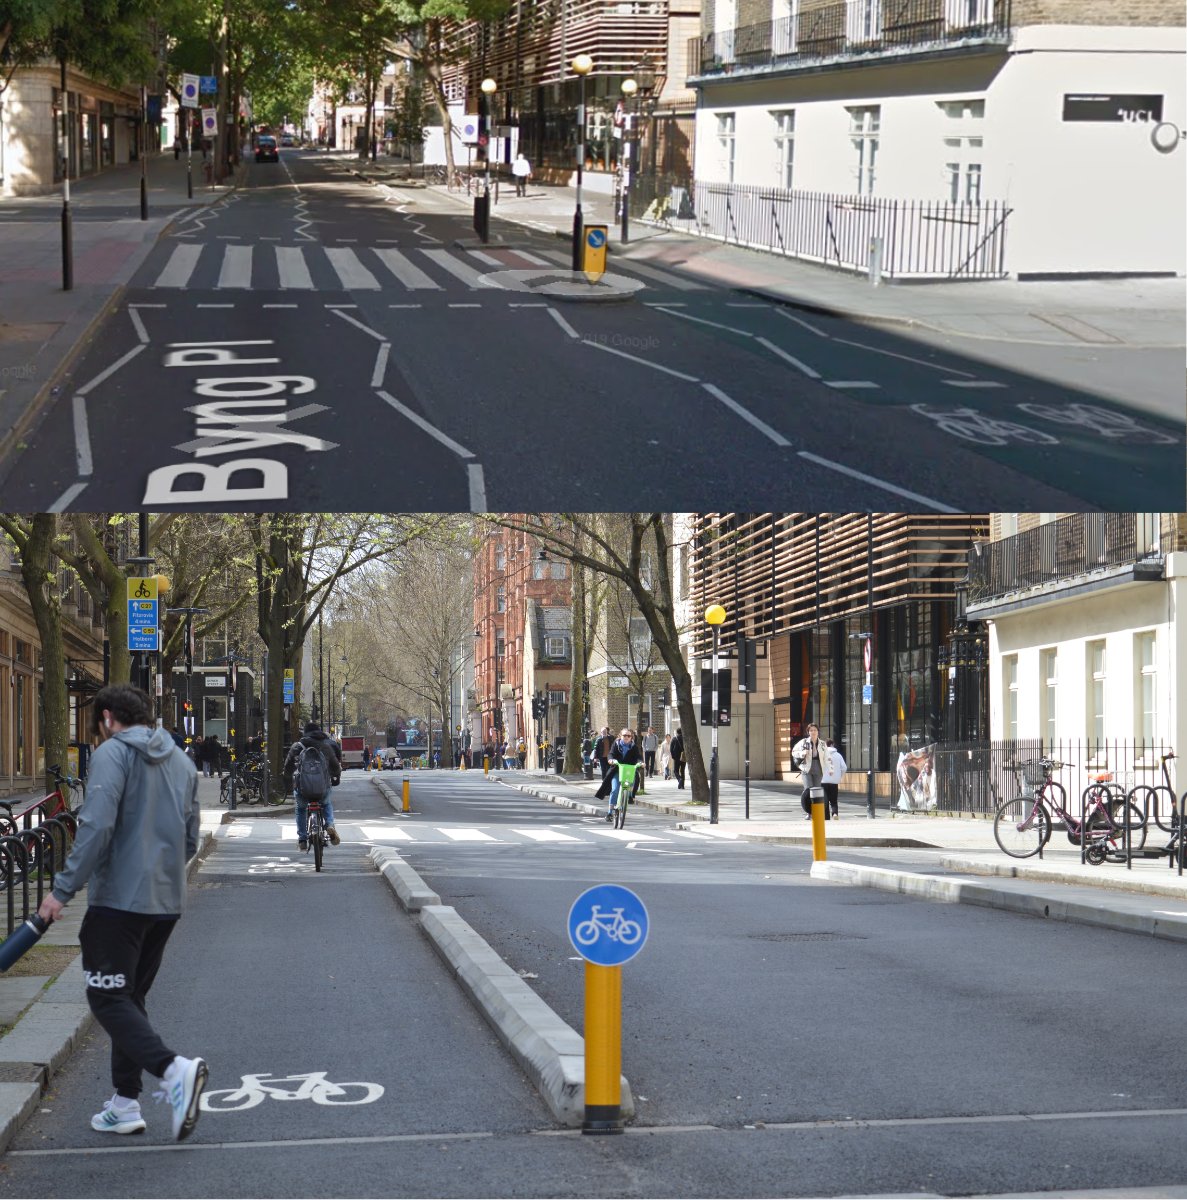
(811, 755)
(831, 781)
(665, 756)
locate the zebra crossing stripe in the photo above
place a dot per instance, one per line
(236, 268)
(351, 272)
(405, 270)
(385, 833)
(180, 267)
(290, 262)
(467, 835)
(459, 270)
(545, 835)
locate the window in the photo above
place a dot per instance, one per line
(965, 14)
(556, 697)
(640, 637)
(1096, 692)
(554, 647)
(500, 559)
(1048, 680)
(500, 646)
(863, 20)
(501, 599)
(784, 147)
(863, 133)
(1010, 697)
(549, 568)
(1145, 707)
(558, 570)
(725, 17)
(963, 144)
(725, 147)
(784, 14)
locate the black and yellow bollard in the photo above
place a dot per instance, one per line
(603, 1049)
(819, 800)
(407, 796)
(486, 764)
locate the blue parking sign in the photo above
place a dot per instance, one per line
(608, 925)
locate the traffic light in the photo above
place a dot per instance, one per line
(723, 696)
(747, 664)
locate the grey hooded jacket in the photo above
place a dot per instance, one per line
(138, 827)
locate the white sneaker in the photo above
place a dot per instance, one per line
(126, 1119)
(184, 1080)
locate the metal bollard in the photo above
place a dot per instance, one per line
(817, 797)
(407, 796)
(876, 260)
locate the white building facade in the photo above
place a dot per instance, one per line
(1068, 117)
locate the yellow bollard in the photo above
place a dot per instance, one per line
(485, 765)
(603, 1049)
(407, 796)
(818, 799)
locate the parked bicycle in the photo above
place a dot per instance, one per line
(1022, 826)
(1151, 797)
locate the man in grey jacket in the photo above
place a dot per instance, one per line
(137, 830)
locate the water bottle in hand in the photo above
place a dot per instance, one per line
(27, 934)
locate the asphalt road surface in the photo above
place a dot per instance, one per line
(315, 342)
(782, 1036)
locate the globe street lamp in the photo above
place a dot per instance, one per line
(489, 87)
(629, 88)
(582, 65)
(714, 616)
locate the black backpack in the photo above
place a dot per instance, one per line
(313, 775)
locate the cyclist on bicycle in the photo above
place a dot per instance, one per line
(317, 741)
(623, 750)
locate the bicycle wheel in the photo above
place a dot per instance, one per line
(1021, 827)
(620, 808)
(318, 842)
(1125, 812)
(224, 789)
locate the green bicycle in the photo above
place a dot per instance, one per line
(626, 787)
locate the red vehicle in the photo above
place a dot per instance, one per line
(352, 751)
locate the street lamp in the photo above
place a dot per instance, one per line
(629, 88)
(646, 78)
(582, 65)
(867, 654)
(714, 616)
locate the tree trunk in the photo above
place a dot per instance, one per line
(39, 570)
(575, 729)
(433, 74)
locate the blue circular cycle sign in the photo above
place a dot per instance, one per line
(608, 925)
(596, 238)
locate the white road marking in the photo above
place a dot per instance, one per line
(534, 259)
(905, 357)
(380, 365)
(798, 321)
(746, 415)
(236, 268)
(621, 835)
(138, 322)
(545, 835)
(489, 259)
(406, 271)
(664, 277)
(352, 273)
(643, 361)
(359, 325)
(563, 323)
(109, 371)
(385, 833)
(67, 497)
(465, 835)
(419, 421)
(279, 306)
(459, 270)
(850, 383)
(795, 362)
(240, 829)
(294, 273)
(701, 320)
(878, 483)
(82, 437)
(972, 383)
(477, 487)
(180, 266)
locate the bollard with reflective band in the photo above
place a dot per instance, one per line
(407, 796)
(603, 1049)
(819, 800)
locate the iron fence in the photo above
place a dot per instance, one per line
(975, 777)
(913, 238)
(1078, 544)
(30, 857)
(849, 29)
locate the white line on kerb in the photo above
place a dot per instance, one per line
(665, 308)
(746, 414)
(359, 325)
(563, 323)
(115, 366)
(67, 497)
(380, 365)
(141, 332)
(905, 357)
(643, 361)
(795, 362)
(477, 487)
(810, 328)
(82, 437)
(879, 483)
(430, 429)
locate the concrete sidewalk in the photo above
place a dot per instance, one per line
(1099, 313)
(42, 326)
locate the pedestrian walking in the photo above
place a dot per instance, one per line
(177, 147)
(650, 746)
(601, 750)
(831, 780)
(678, 760)
(812, 757)
(136, 833)
(522, 170)
(211, 750)
(367, 758)
(521, 753)
(664, 756)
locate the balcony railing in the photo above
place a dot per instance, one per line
(850, 28)
(1078, 545)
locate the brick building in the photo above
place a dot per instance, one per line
(1067, 115)
(520, 592)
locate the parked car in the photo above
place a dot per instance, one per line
(286, 139)
(266, 149)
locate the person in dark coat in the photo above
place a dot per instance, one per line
(678, 759)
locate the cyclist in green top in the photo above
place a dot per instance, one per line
(624, 750)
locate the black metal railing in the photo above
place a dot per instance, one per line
(975, 777)
(898, 238)
(29, 859)
(1072, 546)
(850, 28)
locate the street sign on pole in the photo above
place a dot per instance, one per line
(143, 609)
(867, 653)
(608, 925)
(290, 684)
(867, 693)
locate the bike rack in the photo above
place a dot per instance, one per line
(13, 858)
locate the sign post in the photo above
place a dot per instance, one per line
(608, 926)
(593, 260)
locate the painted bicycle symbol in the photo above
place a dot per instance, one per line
(255, 1089)
(1116, 426)
(974, 426)
(613, 924)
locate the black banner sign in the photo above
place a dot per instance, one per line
(1112, 108)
